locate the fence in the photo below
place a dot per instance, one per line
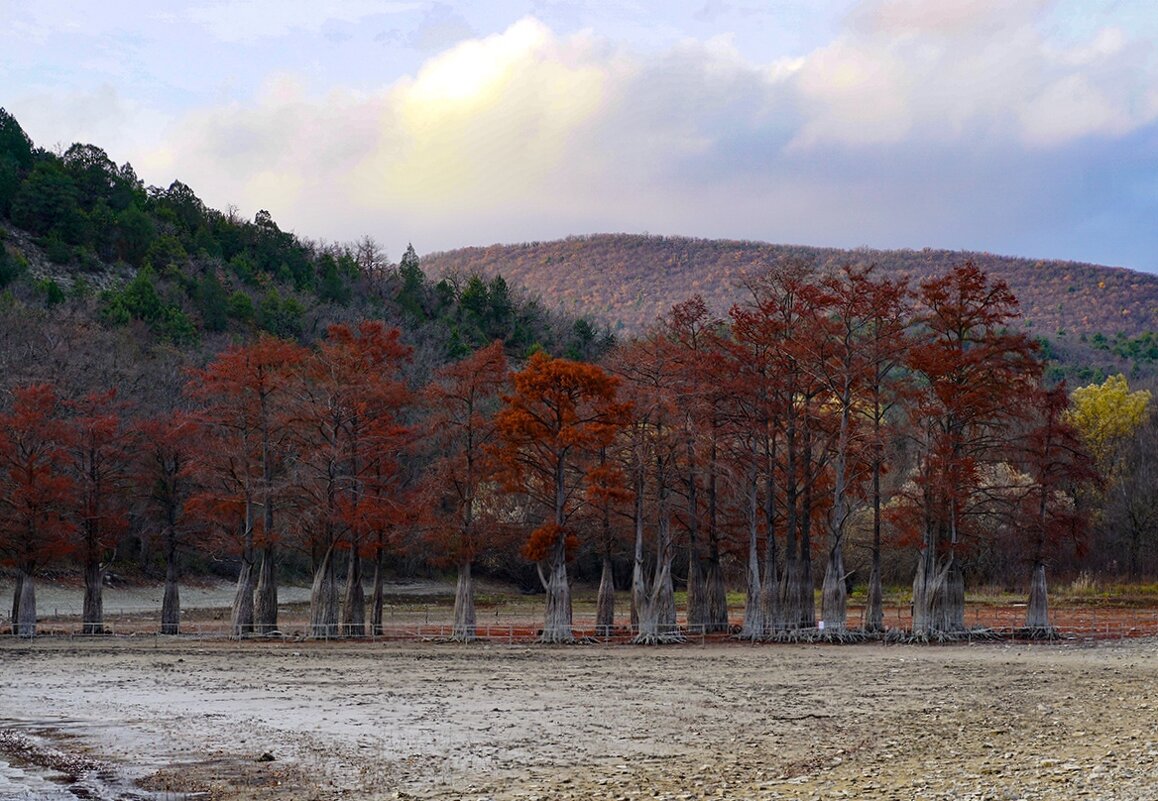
(982, 622)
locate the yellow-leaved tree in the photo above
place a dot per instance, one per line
(1107, 415)
(1115, 426)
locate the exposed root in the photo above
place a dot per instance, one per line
(818, 635)
(940, 637)
(1037, 633)
(670, 638)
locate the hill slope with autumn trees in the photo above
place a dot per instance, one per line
(1094, 316)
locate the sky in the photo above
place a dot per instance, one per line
(1019, 127)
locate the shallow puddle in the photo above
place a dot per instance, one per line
(34, 768)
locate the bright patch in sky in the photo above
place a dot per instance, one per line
(1026, 128)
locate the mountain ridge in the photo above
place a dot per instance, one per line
(627, 280)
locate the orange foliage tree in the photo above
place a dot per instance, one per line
(36, 492)
(161, 470)
(972, 370)
(462, 402)
(348, 435)
(100, 447)
(550, 430)
(246, 429)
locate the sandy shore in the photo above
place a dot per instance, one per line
(436, 721)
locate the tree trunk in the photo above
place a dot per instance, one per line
(557, 617)
(717, 606)
(241, 621)
(874, 609)
(171, 602)
(465, 626)
(265, 602)
(324, 599)
(770, 589)
(378, 600)
(938, 596)
(637, 566)
(834, 593)
(697, 597)
(25, 622)
(605, 601)
(755, 623)
(16, 598)
(657, 614)
(697, 600)
(94, 611)
(1037, 615)
(792, 593)
(806, 586)
(353, 620)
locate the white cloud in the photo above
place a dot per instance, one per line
(873, 138)
(959, 69)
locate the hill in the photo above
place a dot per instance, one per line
(1095, 319)
(105, 281)
(629, 279)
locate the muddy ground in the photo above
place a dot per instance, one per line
(441, 721)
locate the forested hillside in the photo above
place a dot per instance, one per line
(630, 280)
(185, 388)
(105, 280)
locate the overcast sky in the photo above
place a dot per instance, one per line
(1021, 127)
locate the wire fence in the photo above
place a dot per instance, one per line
(982, 622)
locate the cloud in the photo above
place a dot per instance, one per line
(961, 69)
(941, 124)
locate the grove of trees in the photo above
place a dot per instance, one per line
(829, 408)
(236, 396)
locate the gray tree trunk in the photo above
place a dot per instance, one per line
(378, 599)
(1037, 614)
(465, 624)
(25, 622)
(807, 594)
(657, 613)
(755, 623)
(792, 595)
(697, 598)
(16, 598)
(938, 596)
(605, 600)
(324, 599)
(874, 619)
(353, 620)
(171, 601)
(834, 593)
(637, 566)
(717, 606)
(657, 616)
(557, 617)
(265, 601)
(874, 609)
(241, 620)
(94, 611)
